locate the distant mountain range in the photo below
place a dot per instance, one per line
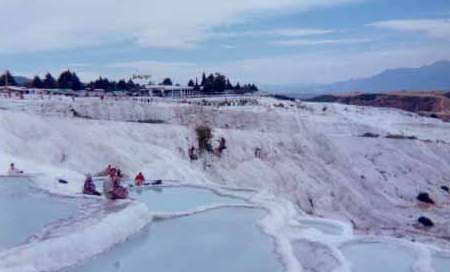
(430, 77)
(21, 80)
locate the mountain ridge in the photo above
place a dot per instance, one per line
(432, 77)
(435, 76)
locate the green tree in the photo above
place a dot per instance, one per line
(220, 83)
(131, 85)
(37, 83)
(203, 82)
(122, 85)
(69, 80)
(7, 78)
(229, 86)
(167, 82)
(49, 82)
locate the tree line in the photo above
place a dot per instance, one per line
(218, 83)
(70, 80)
(215, 83)
(211, 84)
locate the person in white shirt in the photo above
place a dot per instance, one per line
(13, 171)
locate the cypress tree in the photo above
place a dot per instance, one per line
(7, 78)
(37, 83)
(49, 81)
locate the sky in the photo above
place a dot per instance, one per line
(267, 42)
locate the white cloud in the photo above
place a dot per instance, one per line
(331, 66)
(48, 24)
(436, 28)
(309, 67)
(317, 67)
(310, 42)
(228, 46)
(292, 32)
(281, 32)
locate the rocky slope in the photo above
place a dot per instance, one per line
(432, 104)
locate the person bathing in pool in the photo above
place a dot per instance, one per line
(89, 187)
(112, 188)
(13, 171)
(139, 180)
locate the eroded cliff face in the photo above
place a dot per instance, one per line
(431, 104)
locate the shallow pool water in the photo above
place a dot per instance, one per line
(376, 257)
(223, 240)
(179, 199)
(324, 227)
(441, 263)
(25, 210)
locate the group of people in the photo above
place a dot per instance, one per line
(112, 188)
(194, 153)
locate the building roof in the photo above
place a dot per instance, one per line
(167, 87)
(13, 88)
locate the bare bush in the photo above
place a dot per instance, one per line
(370, 135)
(204, 136)
(400, 137)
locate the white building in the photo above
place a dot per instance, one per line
(168, 91)
(13, 90)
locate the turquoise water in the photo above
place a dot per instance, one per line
(441, 264)
(25, 210)
(376, 257)
(178, 199)
(223, 240)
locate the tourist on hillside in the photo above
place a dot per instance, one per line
(108, 188)
(13, 171)
(119, 174)
(112, 188)
(192, 152)
(108, 169)
(119, 192)
(139, 179)
(105, 172)
(89, 187)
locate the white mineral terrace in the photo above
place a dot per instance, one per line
(297, 189)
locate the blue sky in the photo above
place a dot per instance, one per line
(261, 41)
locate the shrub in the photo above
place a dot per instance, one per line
(282, 97)
(204, 136)
(425, 197)
(151, 121)
(400, 137)
(434, 115)
(370, 135)
(426, 222)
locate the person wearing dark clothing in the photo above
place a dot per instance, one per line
(89, 187)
